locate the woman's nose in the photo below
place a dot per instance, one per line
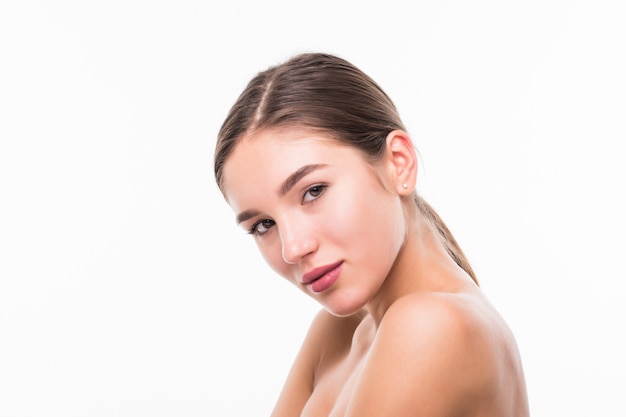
(297, 242)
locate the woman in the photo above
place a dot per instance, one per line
(317, 166)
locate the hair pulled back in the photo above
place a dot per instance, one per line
(329, 94)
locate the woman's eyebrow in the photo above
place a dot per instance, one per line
(245, 215)
(297, 176)
(287, 185)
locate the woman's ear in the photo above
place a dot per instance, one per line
(401, 159)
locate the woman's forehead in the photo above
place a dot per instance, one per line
(286, 145)
(272, 155)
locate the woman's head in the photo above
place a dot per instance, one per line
(319, 102)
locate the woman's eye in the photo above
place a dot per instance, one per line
(261, 227)
(313, 193)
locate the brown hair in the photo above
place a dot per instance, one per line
(326, 93)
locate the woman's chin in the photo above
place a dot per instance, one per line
(343, 309)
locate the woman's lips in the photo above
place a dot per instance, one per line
(320, 279)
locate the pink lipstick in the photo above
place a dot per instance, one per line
(320, 279)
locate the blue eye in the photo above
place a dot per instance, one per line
(261, 227)
(313, 193)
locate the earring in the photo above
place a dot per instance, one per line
(405, 185)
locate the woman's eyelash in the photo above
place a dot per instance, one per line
(254, 229)
(315, 191)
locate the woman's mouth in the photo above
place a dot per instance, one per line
(322, 278)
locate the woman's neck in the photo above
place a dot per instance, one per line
(422, 265)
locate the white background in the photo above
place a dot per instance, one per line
(127, 290)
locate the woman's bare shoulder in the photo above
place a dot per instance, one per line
(455, 314)
(432, 352)
(452, 327)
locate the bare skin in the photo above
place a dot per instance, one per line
(439, 350)
(404, 330)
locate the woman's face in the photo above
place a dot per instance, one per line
(318, 212)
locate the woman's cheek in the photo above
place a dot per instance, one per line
(341, 219)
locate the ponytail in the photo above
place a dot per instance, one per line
(449, 242)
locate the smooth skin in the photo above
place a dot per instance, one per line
(404, 331)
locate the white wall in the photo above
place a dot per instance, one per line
(125, 287)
